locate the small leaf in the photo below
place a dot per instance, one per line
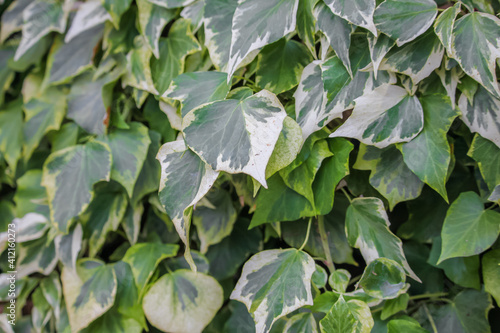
(116, 8)
(89, 15)
(487, 156)
(358, 12)
(405, 325)
(444, 26)
(383, 278)
(393, 306)
(352, 316)
(339, 280)
(301, 323)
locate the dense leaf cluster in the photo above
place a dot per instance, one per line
(250, 166)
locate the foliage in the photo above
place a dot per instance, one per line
(250, 165)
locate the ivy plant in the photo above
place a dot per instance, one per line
(250, 165)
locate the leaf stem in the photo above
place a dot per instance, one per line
(428, 295)
(492, 206)
(307, 234)
(324, 242)
(431, 320)
(346, 194)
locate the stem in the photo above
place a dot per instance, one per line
(492, 206)
(431, 321)
(354, 280)
(428, 296)
(324, 242)
(307, 234)
(346, 194)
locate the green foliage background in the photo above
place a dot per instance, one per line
(250, 166)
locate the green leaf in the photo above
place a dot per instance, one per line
(89, 15)
(393, 306)
(152, 20)
(173, 51)
(171, 3)
(182, 172)
(491, 273)
(384, 116)
(257, 23)
(306, 24)
(482, 115)
(116, 8)
(444, 26)
(240, 136)
(103, 215)
(11, 133)
(129, 149)
(389, 174)
(352, 316)
(405, 20)
(417, 59)
(379, 46)
(367, 229)
(429, 154)
(37, 256)
(339, 280)
(358, 12)
(383, 278)
(177, 298)
(88, 293)
(143, 258)
(52, 292)
(468, 229)
(476, 46)
(405, 325)
(68, 247)
(12, 19)
(139, 72)
(40, 18)
(195, 89)
(487, 156)
(280, 65)
(214, 218)
(69, 176)
(30, 195)
(301, 323)
(274, 283)
(43, 113)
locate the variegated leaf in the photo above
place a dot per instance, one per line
(139, 74)
(152, 20)
(171, 3)
(429, 154)
(12, 18)
(40, 18)
(257, 23)
(69, 176)
(183, 301)
(384, 116)
(383, 279)
(36, 256)
(367, 228)
(417, 59)
(444, 26)
(148, 179)
(30, 195)
(487, 156)
(195, 89)
(68, 246)
(306, 24)
(379, 46)
(90, 14)
(194, 12)
(89, 292)
(273, 284)
(476, 47)
(143, 259)
(351, 316)
(131, 222)
(116, 8)
(29, 227)
(450, 79)
(358, 12)
(11, 132)
(483, 115)
(389, 174)
(182, 170)
(301, 323)
(405, 20)
(236, 136)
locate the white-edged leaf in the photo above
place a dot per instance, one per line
(89, 15)
(379, 46)
(444, 25)
(12, 18)
(358, 12)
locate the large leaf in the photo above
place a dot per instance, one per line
(274, 283)
(367, 228)
(195, 89)
(351, 316)
(358, 12)
(405, 20)
(429, 154)
(468, 229)
(487, 156)
(69, 176)
(184, 172)
(12, 18)
(183, 301)
(384, 116)
(236, 136)
(257, 23)
(476, 46)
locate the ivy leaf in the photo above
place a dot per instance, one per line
(339, 280)
(176, 298)
(409, 325)
(129, 149)
(182, 171)
(301, 323)
(405, 20)
(306, 23)
(43, 113)
(139, 74)
(68, 246)
(444, 26)
(352, 316)
(429, 154)
(131, 222)
(171, 3)
(240, 136)
(417, 59)
(195, 89)
(379, 46)
(389, 174)
(367, 228)
(30, 195)
(152, 20)
(358, 12)
(37, 256)
(274, 283)
(491, 273)
(40, 18)
(482, 115)
(143, 259)
(89, 15)
(476, 46)
(487, 156)
(252, 27)
(383, 278)
(11, 134)
(280, 65)
(468, 229)
(69, 176)
(116, 8)
(384, 116)
(393, 306)
(12, 19)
